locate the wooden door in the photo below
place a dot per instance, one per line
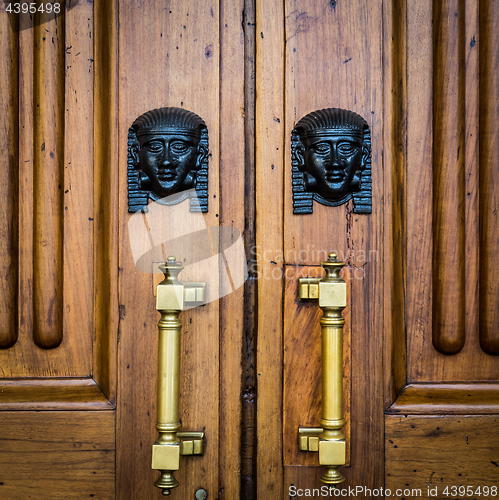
(59, 258)
(78, 341)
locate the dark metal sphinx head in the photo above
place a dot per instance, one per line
(167, 156)
(331, 160)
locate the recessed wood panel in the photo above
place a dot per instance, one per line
(441, 451)
(55, 455)
(48, 181)
(444, 193)
(9, 183)
(302, 377)
(489, 176)
(55, 290)
(448, 265)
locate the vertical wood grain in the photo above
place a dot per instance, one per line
(78, 213)
(248, 448)
(472, 222)
(443, 208)
(25, 291)
(302, 372)
(57, 454)
(334, 59)
(55, 99)
(419, 180)
(105, 196)
(489, 176)
(448, 325)
(232, 204)
(395, 236)
(48, 182)
(172, 59)
(9, 183)
(269, 129)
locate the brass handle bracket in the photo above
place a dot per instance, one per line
(172, 297)
(328, 440)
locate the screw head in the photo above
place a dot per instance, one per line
(201, 494)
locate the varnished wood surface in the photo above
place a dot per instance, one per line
(440, 451)
(270, 171)
(56, 455)
(448, 321)
(55, 289)
(394, 238)
(447, 399)
(48, 181)
(438, 72)
(489, 175)
(189, 77)
(52, 394)
(9, 138)
(106, 168)
(232, 214)
(334, 59)
(302, 373)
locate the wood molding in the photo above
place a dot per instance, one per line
(447, 399)
(52, 394)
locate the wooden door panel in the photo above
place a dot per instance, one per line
(187, 55)
(59, 297)
(440, 344)
(435, 452)
(78, 324)
(332, 58)
(57, 454)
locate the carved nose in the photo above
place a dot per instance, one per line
(166, 158)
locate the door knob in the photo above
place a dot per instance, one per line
(331, 294)
(172, 297)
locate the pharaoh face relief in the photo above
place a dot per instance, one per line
(167, 156)
(331, 160)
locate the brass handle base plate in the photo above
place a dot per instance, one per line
(330, 452)
(191, 443)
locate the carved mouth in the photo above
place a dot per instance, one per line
(167, 175)
(335, 177)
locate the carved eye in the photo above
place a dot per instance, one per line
(323, 148)
(179, 147)
(155, 147)
(347, 148)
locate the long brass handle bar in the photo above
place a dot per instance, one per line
(329, 441)
(171, 298)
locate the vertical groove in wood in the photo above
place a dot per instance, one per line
(48, 182)
(472, 223)
(9, 182)
(105, 195)
(248, 448)
(448, 177)
(489, 175)
(419, 181)
(395, 142)
(269, 190)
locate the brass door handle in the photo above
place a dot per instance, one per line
(329, 441)
(172, 297)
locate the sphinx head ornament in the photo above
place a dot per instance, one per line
(331, 155)
(167, 156)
